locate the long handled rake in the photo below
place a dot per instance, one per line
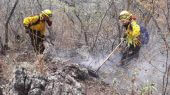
(109, 56)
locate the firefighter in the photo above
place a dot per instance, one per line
(131, 36)
(35, 26)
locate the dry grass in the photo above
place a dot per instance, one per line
(40, 65)
(5, 70)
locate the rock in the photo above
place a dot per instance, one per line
(38, 85)
(70, 79)
(22, 82)
(27, 85)
(66, 81)
(35, 91)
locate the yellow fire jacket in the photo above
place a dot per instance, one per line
(34, 23)
(132, 34)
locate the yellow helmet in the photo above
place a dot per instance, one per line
(125, 15)
(47, 13)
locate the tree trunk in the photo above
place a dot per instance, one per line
(5, 47)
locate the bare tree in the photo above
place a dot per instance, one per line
(100, 25)
(6, 26)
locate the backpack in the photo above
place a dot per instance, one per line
(144, 36)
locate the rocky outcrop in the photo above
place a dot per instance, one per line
(72, 79)
(25, 85)
(63, 78)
